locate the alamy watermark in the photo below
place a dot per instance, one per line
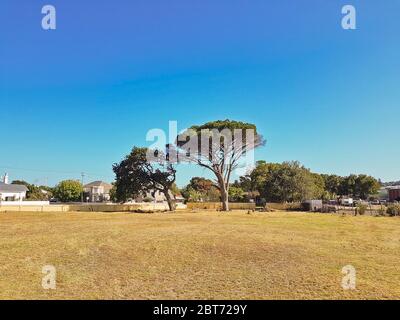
(349, 19)
(349, 280)
(230, 147)
(49, 281)
(49, 20)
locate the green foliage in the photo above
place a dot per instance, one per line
(223, 149)
(286, 182)
(113, 193)
(175, 190)
(333, 184)
(361, 209)
(68, 191)
(237, 194)
(393, 210)
(357, 186)
(35, 193)
(201, 189)
(148, 199)
(292, 182)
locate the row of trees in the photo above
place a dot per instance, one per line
(218, 147)
(36, 193)
(65, 191)
(284, 182)
(292, 182)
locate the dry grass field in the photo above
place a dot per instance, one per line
(205, 255)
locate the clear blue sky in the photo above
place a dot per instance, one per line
(79, 97)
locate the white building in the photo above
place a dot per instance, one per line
(97, 191)
(11, 192)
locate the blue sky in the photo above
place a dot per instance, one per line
(79, 97)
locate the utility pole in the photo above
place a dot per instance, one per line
(82, 175)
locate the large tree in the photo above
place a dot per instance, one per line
(359, 186)
(333, 184)
(137, 174)
(68, 190)
(285, 182)
(219, 146)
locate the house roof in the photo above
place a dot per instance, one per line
(17, 188)
(98, 184)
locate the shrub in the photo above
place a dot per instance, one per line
(361, 209)
(381, 211)
(393, 210)
(148, 199)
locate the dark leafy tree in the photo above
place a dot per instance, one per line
(136, 175)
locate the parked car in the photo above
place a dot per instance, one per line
(346, 202)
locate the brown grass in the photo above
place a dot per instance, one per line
(206, 255)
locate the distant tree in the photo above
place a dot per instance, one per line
(333, 184)
(237, 194)
(219, 147)
(201, 184)
(175, 190)
(290, 181)
(245, 182)
(318, 188)
(21, 182)
(192, 195)
(285, 182)
(47, 188)
(359, 186)
(136, 175)
(201, 189)
(349, 185)
(390, 183)
(366, 186)
(35, 193)
(68, 191)
(113, 193)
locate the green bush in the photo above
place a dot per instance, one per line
(393, 210)
(361, 209)
(68, 190)
(148, 199)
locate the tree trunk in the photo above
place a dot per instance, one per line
(224, 191)
(171, 202)
(224, 199)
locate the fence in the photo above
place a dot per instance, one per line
(24, 203)
(85, 207)
(218, 206)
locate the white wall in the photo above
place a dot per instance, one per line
(18, 196)
(24, 203)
